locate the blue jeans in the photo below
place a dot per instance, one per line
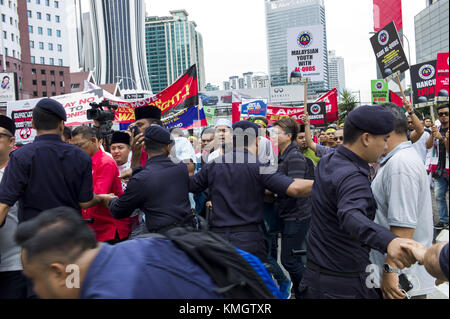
(441, 189)
(294, 236)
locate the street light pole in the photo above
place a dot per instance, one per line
(124, 77)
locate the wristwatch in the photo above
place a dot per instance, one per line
(411, 113)
(387, 268)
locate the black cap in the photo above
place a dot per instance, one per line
(373, 119)
(158, 134)
(147, 112)
(7, 124)
(120, 137)
(53, 107)
(244, 125)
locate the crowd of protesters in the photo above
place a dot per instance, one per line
(336, 200)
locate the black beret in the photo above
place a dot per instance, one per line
(372, 119)
(54, 107)
(244, 125)
(120, 137)
(158, 134)
(147, 112)
(7, 124)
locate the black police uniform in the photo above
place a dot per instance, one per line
(160, 190)
(47, 173)
(236, 187)
(342, 228)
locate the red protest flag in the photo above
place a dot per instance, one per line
(180, 95)
(331, 103)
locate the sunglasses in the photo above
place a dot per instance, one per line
(340, 138)
(443, 114)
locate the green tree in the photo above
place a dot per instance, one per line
(348, 103)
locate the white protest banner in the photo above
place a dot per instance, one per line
(75, 104)
(306, 52)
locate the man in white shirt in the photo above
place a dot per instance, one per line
(403, 198)
(223, 139)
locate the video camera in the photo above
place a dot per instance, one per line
(97, 113)
(105, 120)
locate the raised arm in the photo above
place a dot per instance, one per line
(309, 141)
(418, 127)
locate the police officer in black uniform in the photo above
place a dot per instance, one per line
(160, 189)
(343, 208)
(237, 184)
(47, 173)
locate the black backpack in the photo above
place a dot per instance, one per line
(234, 276)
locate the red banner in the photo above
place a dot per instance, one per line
(183, 94)
(276, 113)
(385, 11)
(331, 103)
(442, 70)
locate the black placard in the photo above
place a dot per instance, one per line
(423, 80)
(389, 51)
(317, 113)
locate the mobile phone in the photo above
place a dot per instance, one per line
(404, 283)
(135, 130)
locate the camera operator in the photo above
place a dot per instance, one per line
(103, 122)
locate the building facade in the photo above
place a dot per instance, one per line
(173, 45)
(118, 42)
(431, 30)
(34, 46)
(336, 70)
(282, 15)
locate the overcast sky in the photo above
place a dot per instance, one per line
(235, 42)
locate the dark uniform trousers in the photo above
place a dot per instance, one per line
(318, 285)
(249, 238)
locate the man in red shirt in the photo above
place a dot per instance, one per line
(105, 181)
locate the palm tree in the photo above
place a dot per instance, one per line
(348, 104)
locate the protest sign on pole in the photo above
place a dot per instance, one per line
(389, 52)
(317, 113)
(380, 91)
(306, 52)
(423, 80)
(442, 72)
(210, 112)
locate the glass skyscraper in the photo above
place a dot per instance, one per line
(431, 28)
(172, 46)
(118, 43)
(282, 15)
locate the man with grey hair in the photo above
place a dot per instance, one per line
(403, 198)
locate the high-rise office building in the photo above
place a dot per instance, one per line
(34, 45)
(431, 29)
(282, 15)
(173, 45)
(119, 43)
(248, 80)
(336, 70)
(234, 82)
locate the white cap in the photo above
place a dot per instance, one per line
(224, 122)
